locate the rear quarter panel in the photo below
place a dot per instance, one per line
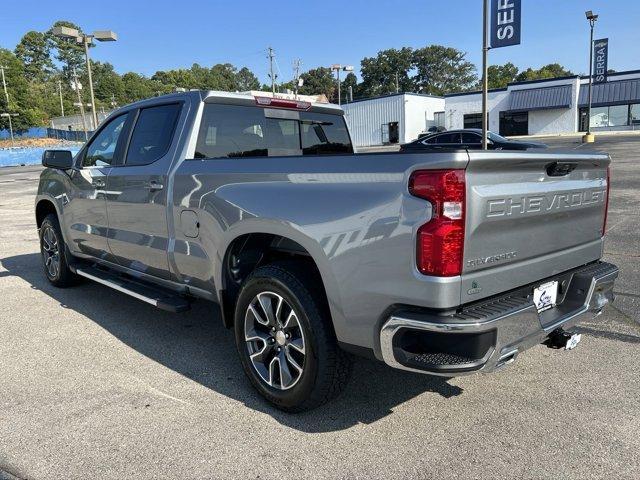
(352, 213)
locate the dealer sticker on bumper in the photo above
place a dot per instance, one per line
(545, 296)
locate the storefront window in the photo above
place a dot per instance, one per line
(618, 115)
(635, 114)
(599, 117)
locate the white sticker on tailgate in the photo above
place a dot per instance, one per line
(545, 295)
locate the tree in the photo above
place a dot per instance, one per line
(246, 80)
(441, 70)
(501, 75)
(107, 84)
(552, 70)
(319, 81)
(20, 100)
(68, 52)
(34, 51)
(351, 81)
(379, 73)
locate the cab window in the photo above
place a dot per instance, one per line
(152, 134)
(101, 151)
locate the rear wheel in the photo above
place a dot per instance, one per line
(54, 254)
(285, 339)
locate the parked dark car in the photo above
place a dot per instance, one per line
(468, 138)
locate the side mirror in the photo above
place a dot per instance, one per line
(61, 159)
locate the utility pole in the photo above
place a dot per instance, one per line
(485, 79)
(271, 75)
(60, 92)
(4, 85)
(351, 93)
(76, 84)
(296, 69)
(397, 83)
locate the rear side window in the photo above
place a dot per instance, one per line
(231, 131)
(471, 138)
(152, 134)
(448, 138)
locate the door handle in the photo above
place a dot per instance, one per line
(98, 183)
(154, 186)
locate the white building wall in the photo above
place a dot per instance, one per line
(365, 118)
(458, 106)
(419, 114)
(551, 121)
(414, 114)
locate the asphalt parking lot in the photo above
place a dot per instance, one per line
(95, 384)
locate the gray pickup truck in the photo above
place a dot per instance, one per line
(443, 263)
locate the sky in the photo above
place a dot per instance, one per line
(163, 34)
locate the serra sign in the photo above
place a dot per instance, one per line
(505, 23)
(601, 57)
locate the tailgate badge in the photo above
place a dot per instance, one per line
(474, 288)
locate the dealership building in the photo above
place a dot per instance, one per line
(541, 107)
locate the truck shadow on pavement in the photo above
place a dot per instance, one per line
(196, 345)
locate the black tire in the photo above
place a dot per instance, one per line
(325, 367)
(55, 251)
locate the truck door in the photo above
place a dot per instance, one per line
(85, 214)
(137, 200)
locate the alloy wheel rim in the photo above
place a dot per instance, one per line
(275, 340)
(51, 251)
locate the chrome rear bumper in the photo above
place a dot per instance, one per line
(490, 334)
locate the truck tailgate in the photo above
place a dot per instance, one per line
(530, 216)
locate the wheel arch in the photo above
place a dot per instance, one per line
(44, 207)
(248, 250)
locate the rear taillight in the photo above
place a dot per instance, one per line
(606, 204)
(440, 243)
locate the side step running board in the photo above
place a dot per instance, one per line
(158, 298)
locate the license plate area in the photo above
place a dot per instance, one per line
(545, 296)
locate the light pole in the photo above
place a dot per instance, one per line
(86, 40)
(9, 115)
(337, 68)
(60, 93)
(591, 17)
(485, 77)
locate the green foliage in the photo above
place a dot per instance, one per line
(501, 75)
(441, 70)
(34, 52)
(19, 98)
(246, 80)
(69, 52)
(379, 73)
(551, 70)
(434, 69)
(350, 81)
(318, 81)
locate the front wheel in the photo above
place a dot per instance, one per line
(285, 339)
(54, 255)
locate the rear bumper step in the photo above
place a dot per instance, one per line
(490, 334)
(153, 296)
